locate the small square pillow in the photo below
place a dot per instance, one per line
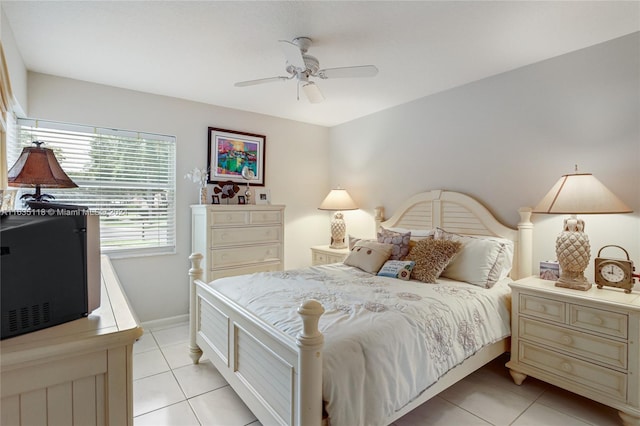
(483, 261)
(431, 257)
(399, 240)
(368, 255)
(397, 269)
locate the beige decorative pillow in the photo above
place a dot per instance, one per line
(431, 257)
(353, 240)
(399, 240)
(368, 255)
(483, 261)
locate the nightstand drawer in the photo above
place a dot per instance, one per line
(320, 258)
(598, 320)
(254, 235)
(540, 307)
(607, 382)
(575, 342)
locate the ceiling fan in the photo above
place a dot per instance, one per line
(302, 66)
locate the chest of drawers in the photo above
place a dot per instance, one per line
(238, 239)
(582, 341)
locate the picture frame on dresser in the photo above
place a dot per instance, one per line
(262, 196)
(230, 151)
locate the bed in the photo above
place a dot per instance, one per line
(273, 358)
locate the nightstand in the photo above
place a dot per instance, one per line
(586, 342)
(322, 255)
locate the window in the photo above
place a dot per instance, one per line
(128, 177)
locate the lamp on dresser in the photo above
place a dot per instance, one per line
(573, 194)
(338, 200)
(38, 167)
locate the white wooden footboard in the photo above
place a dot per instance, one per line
(279, 379)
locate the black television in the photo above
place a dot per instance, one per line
(49, 266)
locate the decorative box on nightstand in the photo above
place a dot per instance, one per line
(586, 342)
(322, 255)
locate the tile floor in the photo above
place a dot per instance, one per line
(170, 391)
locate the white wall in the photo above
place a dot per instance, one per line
(506, 140)
(296, 173)
(15, 64)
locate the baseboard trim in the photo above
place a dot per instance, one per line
(161, 323)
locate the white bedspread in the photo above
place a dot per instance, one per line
(386, 340)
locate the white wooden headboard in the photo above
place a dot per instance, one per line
(459, 213)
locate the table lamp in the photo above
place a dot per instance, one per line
(573, 194)
(338, 200)
(38, 167)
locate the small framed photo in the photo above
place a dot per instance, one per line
(241, 199)
(215, 199)
(262, 196)
(550, 270)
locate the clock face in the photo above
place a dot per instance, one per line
(612, 272)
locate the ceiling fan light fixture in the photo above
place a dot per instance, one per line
(312, 92)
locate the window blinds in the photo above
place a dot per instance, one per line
(128, 177)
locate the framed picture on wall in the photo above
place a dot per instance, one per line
(229, 152)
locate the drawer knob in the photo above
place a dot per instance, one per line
(541, 307)
(566, 367)
(223, 236)
(567, 340)
(597, 320)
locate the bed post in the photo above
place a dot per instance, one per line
(195, 273)
(379, 217)
(310, 341)
(525, 243)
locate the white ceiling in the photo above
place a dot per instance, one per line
(197, 50)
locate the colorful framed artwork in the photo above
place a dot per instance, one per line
(231, 151)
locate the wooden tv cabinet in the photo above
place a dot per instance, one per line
(79, 372)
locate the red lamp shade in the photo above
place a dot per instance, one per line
(38, 167)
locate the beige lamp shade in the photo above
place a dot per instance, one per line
(580, 193)
(338, 199)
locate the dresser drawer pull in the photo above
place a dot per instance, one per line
(223, 236)
(566, 367)
(597, 320)
(567, 340)
(540, 307)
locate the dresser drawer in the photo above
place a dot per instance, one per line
(541, 307)
(243, 255)
(265, 217)
(599, 320)
(609, 383)
(575, 342)
(223, 218)
(229, 272)
(257, 234)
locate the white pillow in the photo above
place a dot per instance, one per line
(483, 261)
(368, 255)
(416, 234)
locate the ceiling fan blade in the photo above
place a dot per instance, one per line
(293, 54)
(312, 92)
(260, 81)
(348, 72)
